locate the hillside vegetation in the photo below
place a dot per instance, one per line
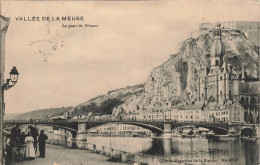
(39, 114)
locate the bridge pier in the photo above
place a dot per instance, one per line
(82, 132)
(154, 134)
(167, 130)
(234, 129)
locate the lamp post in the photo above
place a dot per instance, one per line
(4, 22)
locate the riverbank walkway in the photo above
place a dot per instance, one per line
(58, 155)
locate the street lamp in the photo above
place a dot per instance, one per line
(13, 78)
(14, 75)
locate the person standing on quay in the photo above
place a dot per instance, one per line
(34, 134)
(29, 150)
(41, 141)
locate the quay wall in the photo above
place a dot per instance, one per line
(122, 156)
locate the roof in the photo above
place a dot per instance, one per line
(254, 87)
(190, 106)
(249, 87)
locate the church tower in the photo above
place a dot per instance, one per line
(217, 51)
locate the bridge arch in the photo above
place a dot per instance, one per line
(154, 129)
(217, 130)
(247, 132)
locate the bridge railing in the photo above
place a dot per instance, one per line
(50, 121)
(31, 121)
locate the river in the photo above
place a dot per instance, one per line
(227, 152)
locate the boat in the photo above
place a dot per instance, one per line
(187, 133)
(212, 135)
(203, 134)
(220, 137)
(188, 136)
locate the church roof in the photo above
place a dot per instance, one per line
(249, 87)
(217, 48)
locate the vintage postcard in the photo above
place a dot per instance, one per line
(130, 82)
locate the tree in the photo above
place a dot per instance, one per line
(107, 106)
(92, 107)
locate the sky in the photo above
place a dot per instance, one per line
(62, 67)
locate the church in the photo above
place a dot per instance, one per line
(221, 88)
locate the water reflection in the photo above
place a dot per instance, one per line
(228, 152)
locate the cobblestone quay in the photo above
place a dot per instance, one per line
(58, 155)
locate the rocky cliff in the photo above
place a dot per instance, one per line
(176, 80)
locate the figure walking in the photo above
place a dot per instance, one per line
(41, 140)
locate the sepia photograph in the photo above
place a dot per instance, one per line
(129, 82)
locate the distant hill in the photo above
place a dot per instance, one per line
(38, 114)
(10, 116)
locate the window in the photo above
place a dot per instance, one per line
(220, 77)
(242, 100)
(202, 81)
(230, 92)
(221, 92)
(216, 62)
(202, 95)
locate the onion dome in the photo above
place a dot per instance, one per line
(217, 47)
